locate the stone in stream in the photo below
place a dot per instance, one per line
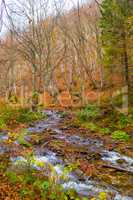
(4, 136)
(3, 149)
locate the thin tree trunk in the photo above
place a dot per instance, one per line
(126, 77)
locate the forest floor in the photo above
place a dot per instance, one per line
(89, 158)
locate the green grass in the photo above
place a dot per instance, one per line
(22, 141)
(105, 131)
(10, 115)
(63, 114)
(106, 121)
(91, 126)
(120, 136)
(89, 112)
(26, 116)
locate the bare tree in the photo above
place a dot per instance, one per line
(58, 45)
(37, 41)
(80, 28)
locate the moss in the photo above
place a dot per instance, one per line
(120, 136)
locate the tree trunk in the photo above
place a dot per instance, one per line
(126, 77)
(34, 79)
(34, 90)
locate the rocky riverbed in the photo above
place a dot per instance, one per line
(98, 169)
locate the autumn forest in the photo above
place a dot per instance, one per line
(66, 100)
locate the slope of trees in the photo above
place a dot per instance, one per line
(116, 25)
(86, 49)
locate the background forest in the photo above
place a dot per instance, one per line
(71, 57)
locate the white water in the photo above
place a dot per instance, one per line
(114, 158)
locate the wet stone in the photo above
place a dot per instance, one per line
(3, 149)
(121, 161)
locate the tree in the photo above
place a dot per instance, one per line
(7, 55)
(116, 37)
(34, 40)
(82, 43)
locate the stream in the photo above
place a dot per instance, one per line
(50, 150)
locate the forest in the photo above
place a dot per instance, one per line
(66, 100)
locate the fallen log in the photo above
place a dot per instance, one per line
(117, 168)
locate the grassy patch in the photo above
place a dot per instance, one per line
(120, 136)
(10, 115)
(106, 121)
(63, 114)
(91, 126)
(22, 139)
(26, 115)
(89, 112)
(105, 131)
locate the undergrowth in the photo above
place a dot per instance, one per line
(106, 121)
(43, 184)
(10, 115)
(89, 112)
(120, 135)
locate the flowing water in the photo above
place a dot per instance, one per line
(78, 180)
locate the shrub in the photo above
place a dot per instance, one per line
(12, 177)
(63, 114)
(120, 135)
(6, 113)
(89, 112)
(10, 115)
(123, 121)
(22, 141)
(2, 123)
(25, 192)
(26, 115)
